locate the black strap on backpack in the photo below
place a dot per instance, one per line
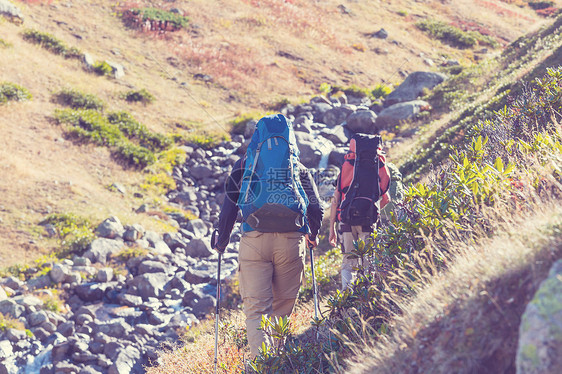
(359, 206)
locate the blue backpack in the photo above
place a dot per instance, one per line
(272, 198)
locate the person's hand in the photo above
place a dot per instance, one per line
(333, 239)
(311, 242)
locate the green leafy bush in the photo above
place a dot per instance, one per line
(156, 14)
(381, 91)
(139, 96)
(51, 43)
(78, 100)
(75, 233)
(7, 322)
(102, 68)
(238, 124)
(132, 129)
(454, 36)
(5, 44)
(13, 92)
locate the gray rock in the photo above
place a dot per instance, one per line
(397, 113)
(15, 335)
(111, 228)
(11, 308)
(12, 282)
(88, 61)
(413, 87)
(58, 273)
(66, 329)
(539, 349)
(175, 240)
(11, 12)
(151, 285)
(196, 276)
(160, 247)
(197, 227)
(336, 135)
(130, 300)
(187, 197)
(201, 172)
(3, 295)
(118, 69)
(152, 267)
(128, 361)
(40, 333)
(105, 275)
(37, 318)
(5, 349)
(82, 261)
(336, 157)
(64, 367)
(310, 154)
(336, 116)
(199, 248)
(133, 233)
(117, 328)
(42, 281)
(101, 248)
(363, 121)
(89, 292)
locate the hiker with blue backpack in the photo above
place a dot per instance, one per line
(361, 193)
(281, 216)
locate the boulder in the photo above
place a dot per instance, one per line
(111, 228)
(197, 227)
(3, 295)
(102, 248)
(5, 349)
(336, 116)
(127, 361)
(539, 348)
(152, 267)
(395, 114)
(10, 308)
(199, 248)
(310, 155)
(337, 135)
(150, 285)
(11, 12)
(413, 87)
(363, 121)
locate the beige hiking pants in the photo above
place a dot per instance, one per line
(348, 265)
(270, 272)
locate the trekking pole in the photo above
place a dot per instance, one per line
(314, 289)
(213, 244)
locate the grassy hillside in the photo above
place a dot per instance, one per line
(460, 258)
(232, 57)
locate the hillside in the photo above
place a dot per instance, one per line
(237, 44)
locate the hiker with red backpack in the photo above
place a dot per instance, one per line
(281, 216)
(361, 193)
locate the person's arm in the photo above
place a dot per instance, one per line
(314, 212)
(229, 210)
(333, 215)
(384, 183)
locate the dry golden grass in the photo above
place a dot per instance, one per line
(467, 318)
(245, 47)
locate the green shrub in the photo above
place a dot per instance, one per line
(75, 233)
(5, 44)
(51, 43)
(133, 155)
(381, 91)
(130, 252)
(238, 124)
(454, 36)
(206, 139)
(132, 129)
(13, 92)
(156, 14)
(89, 126)
(102, 68)
(7, 322)
(142, 96)
(78, 100)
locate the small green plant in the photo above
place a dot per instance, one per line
(51, 43)
(7, 322)
(134, 130)
(75, 233)
(13, 92)
(138, 15)
(454, 36)
(102, 68)
(139, 96)
(238, 124)
(52, 301)
(130, 252)
(381, 91)
(5, 44)
(78, 100)
(325, 88)
(206, 139)
(403, 13)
